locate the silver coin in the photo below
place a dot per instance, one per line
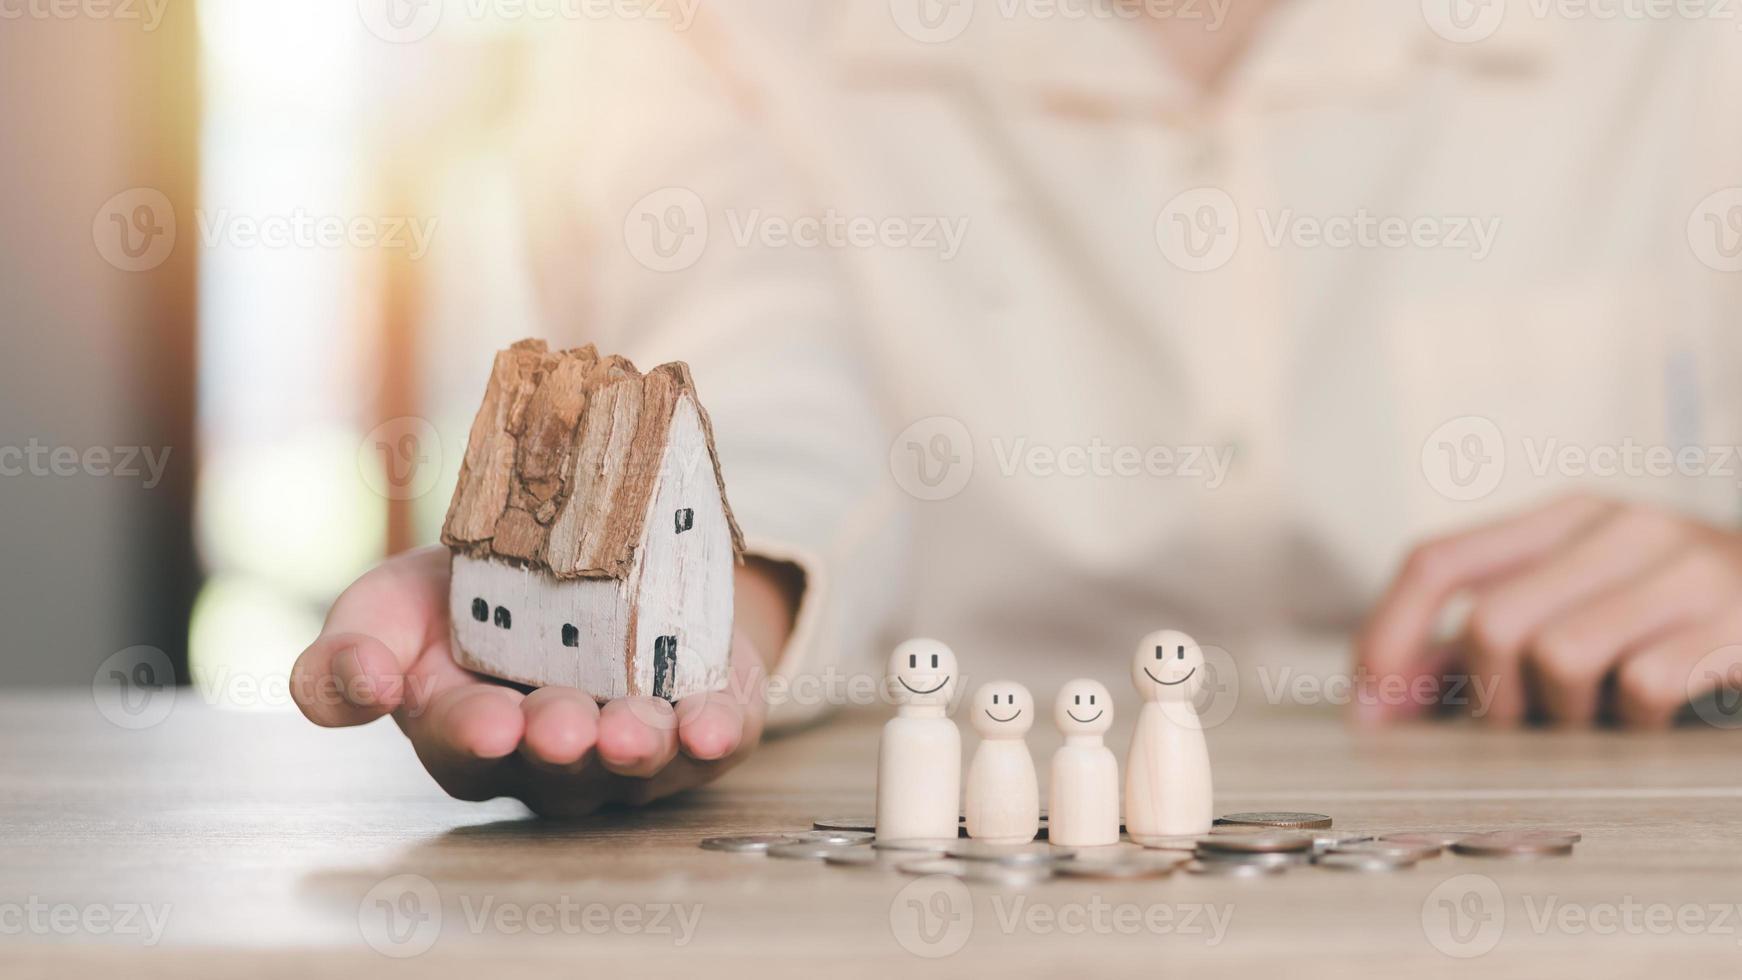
(1324, 840)
(1177, 842)
(1506, 843)
(1285, 819)
(1350, 861)
(1426, 838)
(1185, 842)
(1569, 836)
(1030, 853)
(810, 850)
(933, 845)
(1233, 869)
(834, 836)
(1137, 864)
(1281, 841)
(1395, 850)
(864, 857)
(1104, 852)
(745, 843)
(1266, 858)
(990, 872)
(865, 824)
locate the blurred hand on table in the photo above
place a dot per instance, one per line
(1584, 609)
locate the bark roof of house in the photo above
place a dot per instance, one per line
(564, 458)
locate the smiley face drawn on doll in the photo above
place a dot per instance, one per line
(1167, 667)
(1003, 709)
(1084, 707)
(925, 670)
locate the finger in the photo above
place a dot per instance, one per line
(478, 721)
(683, 772)
(1395, 637)
(562, 727)
(464, 736)
(747, 686)
(353, 672)
(1510, 612)
(1653, 684)
(637, 736)
(401, 601)
(346, 679)
(1571, 655)
(710, 726)
(572, 797)
(744, 698)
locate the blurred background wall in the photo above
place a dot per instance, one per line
(93, 358)
(243, 246)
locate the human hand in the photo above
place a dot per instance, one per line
(385, 648)
(1583, 608)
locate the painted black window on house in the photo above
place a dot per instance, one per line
(503, 619)
(686, 519)
(480, 610)
(571, 636)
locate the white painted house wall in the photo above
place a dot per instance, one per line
(686, 579)
(681, 585)
(531, 650)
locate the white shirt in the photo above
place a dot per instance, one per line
(1274, 336)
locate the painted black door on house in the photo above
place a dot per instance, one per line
(664, 666)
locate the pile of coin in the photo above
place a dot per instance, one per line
(769, 843)
(1239, 845)
(1281, 819)
(1518, 843)
(1250, 854)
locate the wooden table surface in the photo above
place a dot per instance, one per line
(256, 839)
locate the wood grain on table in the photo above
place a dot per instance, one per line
(258, 837)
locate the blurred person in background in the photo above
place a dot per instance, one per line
(1036, 327)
